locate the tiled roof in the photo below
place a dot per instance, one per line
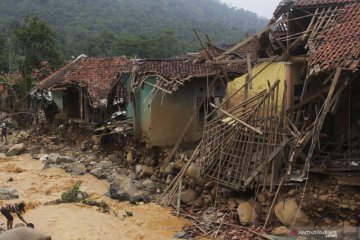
(339, 45)
(97, 75)
(310, 3)
(178, 71)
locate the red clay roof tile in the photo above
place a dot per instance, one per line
(97, 75)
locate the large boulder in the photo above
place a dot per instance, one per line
(123, 188)
(249, 212)
(287, 210)
(23, 233)
(15, 150)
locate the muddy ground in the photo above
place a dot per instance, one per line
(36, 187)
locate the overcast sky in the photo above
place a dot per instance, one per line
(264, 8)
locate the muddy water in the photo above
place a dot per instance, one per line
(77, 222)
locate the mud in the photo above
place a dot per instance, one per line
(36, 187)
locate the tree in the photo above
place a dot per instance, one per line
(36, 41)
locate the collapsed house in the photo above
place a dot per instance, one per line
(87, 89)
(296, 110)
(166, 93)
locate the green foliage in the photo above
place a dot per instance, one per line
(71, 195)
(156, 28)
(36, 42)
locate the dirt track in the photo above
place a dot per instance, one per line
(77, 222)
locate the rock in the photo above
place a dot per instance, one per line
(78, 169)
(328, 221)
(123, 188)
(188, 196)
(249, 212)
(15, 150)
(147, 171)
(180, 235)
(130, 157)
(96, 139)
(22, 233)
(64, 159)
(349, 229)
(7, 194)
(261, 198)
(104, 164)
(98, 172)
(148, 184)
(292, 192)
(44, 157)
(280, 231)
(286, 212)
(194, 172)
(52, 158)
(138, 169)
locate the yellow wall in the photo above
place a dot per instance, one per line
(275, 71)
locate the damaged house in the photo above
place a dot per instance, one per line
(297, 109)
(166, 93)
(87, 89)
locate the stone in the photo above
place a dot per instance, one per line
(20, 233)
(78, 169)
(138, 169)
(104, 164)
(194, 172)
(130, 157)
(328, 221)
(180, 235)
(148, 184)
(8, 194)
(123, 189)
(292, 192)
(261, 198)
(147, 171)
(188, 196)
(96, 139)
(64, 159)
(280, 231)
(249, 212)
(287, 210)
(98, 172)
(15, 150)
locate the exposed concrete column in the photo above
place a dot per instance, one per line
(289, 85)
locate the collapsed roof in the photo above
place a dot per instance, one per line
(176, 71)
(328, 31)
(97, 75)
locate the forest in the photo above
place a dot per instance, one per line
(141, 28)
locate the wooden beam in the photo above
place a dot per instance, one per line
(257, 35)
(320, 120)
(238, 120)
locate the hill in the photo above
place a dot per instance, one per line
(111, 27)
